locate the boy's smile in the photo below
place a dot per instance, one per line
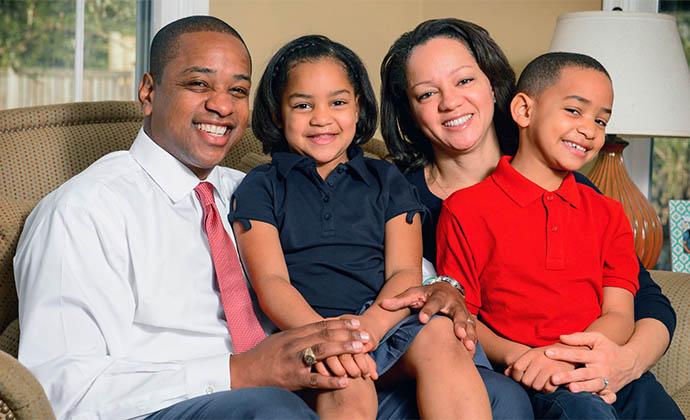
(563, 127)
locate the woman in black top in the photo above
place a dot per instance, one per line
(446, 129)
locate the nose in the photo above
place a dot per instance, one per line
(220, 103)
(450, 100)
(587, 128)
(320, 116)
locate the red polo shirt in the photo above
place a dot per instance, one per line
(534, 262)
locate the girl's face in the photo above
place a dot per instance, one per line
(320, 111)
(450, 97)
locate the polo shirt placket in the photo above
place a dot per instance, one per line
(556, 217)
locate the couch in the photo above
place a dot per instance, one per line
(42, 147)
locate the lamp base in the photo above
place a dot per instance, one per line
(610, 175)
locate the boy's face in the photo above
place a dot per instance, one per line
(565, 124)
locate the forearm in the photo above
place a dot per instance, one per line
(396, 284)
(648, 342)
(283, 304)
(498, 349)
(617, 326)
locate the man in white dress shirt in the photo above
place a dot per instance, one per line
(119, 313)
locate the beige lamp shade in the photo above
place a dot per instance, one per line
(644, 56)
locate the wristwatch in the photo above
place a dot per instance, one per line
(435, 279)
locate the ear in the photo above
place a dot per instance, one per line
(146, 94)
(358, 107)
(521, 108)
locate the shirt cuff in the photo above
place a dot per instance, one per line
(207, 375)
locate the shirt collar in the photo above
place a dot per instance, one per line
(171, 175)
(524, 192)
(286, 161)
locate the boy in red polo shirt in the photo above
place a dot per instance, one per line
(539, 254)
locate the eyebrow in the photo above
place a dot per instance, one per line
(452, 72)
(586, 101)
(206, 70)
(305, 96)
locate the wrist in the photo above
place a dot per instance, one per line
(445, 279)
(239, 376)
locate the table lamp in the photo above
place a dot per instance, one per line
(651, 88)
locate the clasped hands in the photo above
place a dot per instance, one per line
(583, 362)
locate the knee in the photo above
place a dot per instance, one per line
(358, 399)
(565, 404)
(438, 332)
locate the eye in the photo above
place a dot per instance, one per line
(240, 92)
(573, 111)
(602, 122)
(425, 95)
(196, 84)
(339, 102)
(301, 105)
(465, 81)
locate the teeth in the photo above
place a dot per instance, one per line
(574, 146)
(458, 121)
(216, 130)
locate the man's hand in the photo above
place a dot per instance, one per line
(277, 361)
(438, 298)
(533, 369)
(600, 357)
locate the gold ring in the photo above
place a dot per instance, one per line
(308, 357)
(606, 383)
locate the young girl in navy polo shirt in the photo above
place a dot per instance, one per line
(325, 232)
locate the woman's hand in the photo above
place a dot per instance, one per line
(601, 358)
(438, 298)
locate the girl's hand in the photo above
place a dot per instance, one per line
(534, 370)
(368, 326)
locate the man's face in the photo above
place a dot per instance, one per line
(199, 107)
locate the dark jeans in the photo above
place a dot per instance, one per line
(644, 398)
(246, 403)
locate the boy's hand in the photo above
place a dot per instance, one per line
(533, 369)
(354, 366)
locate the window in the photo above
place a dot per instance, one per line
(66, 50)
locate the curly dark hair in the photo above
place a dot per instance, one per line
(266, 115)
(409, 147)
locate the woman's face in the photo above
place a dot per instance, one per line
(450, 96)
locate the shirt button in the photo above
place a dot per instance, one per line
(210, 389)
(330, 183)
(341, 169)
(549, 197)
(327, 216)
(554, 228)
(326, 199)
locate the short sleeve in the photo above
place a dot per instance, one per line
(454, 257)
(254, 198)
(402, 197)
(620, 261)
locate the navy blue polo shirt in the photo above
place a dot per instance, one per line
(332, 230)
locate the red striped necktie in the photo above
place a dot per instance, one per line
(243, 325)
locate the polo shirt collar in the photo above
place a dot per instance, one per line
(286, 161)
(524, 192)
(175, 179)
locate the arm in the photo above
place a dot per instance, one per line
(77, 309)
(616, 320)
(403, 256)
(263, 259)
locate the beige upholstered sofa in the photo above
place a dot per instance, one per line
(42, 147)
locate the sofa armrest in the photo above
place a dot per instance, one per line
(21, 392)
(673, 370)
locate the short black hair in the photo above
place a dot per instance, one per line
(267, 119)
(166, 43)
(409, 147)
(545, 70)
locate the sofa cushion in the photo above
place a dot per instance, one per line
(13, 212)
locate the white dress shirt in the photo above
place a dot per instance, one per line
(119, 311)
